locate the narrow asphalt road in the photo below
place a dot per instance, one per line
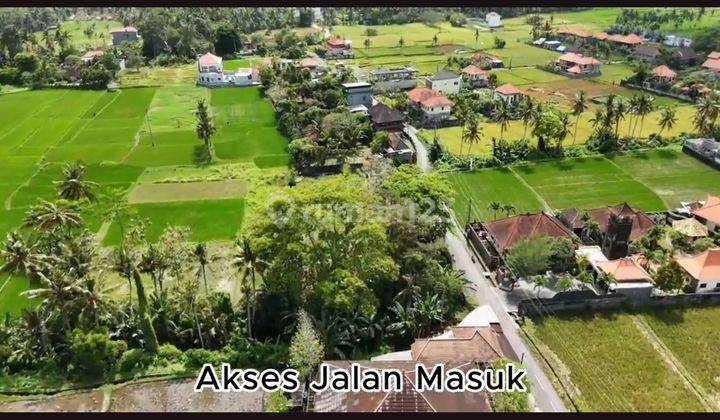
(546, 398)
(544, 394)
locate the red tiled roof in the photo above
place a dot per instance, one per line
(664, 72)
(508, 89)
(712, 64)
(122, 30)
(480, 344)
(335, 42)
(209, 59)
(420, 94)
(575, 69)
(647, 50)
(473, 69)
(641, 221)
(714, 55)
(308, 63)
(709, 211)
(509, 231)
(578, 59)
(438, 100)
(625, 270)
(705, 266)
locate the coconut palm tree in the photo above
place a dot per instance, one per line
(94, 301)
(564, 130)
(367, 42)
(508, 208)
(472, 133)
(74, 186)
(401, 44)
(621, 109)
(579, 105)
(502, 116)
(706, 113)
(526, 110)
(495, 207)
(204, 127)
(668, 118)
(58, 294)
(19, 257)
(124, 262)
(250, 265)
(203, 260)
(645, 106)
(46, 216)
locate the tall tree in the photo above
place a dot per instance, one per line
(502, 116)
(251, 266)
(472, 133)
(204, 127)
(306, 348)
(668, 118)
(46, 215)
(73, 185)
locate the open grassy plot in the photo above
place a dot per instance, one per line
(245, 125)
(99, 37)
(173, 107)
(488, 185)
(587, 183)
(691, 335)
(186, 191)
(210, 220)
(614, 73)
(672, 174)
(179, 74)
(527, 76)
(611, 365)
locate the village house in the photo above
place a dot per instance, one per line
(577, 64)
(662, 75)
(672, 40)
(400, 147)
(385, 118)
(474, 76)
(91, 56)
(709, 213)
(398, 78)
(646, 53)
(493, 20)
(702, 271)
(337, 47)
(445, 82)
(706, 149)
(473, 343)
(508, 94)
(630, 40)
(211, 74)
(358, 94)
(488, 60)
(493, 239)
(125, 34)
(434, 107)
(684, 57)
(630, 278)
(712, 63)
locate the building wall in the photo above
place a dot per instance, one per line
(448, 86)
(359, 98)
(124, 36)
(510, 99)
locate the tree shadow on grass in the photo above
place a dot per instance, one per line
(668, 316)
(200, 156)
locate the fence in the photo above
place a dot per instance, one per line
(684, 98)
(540, 307)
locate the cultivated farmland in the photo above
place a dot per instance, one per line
(587, 183)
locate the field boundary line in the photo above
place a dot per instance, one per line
(537, 195)
(673, 363)
(89, 120)
(638, 181)
(5, 283)
(43, 108)
(136, 141)
(8, 200)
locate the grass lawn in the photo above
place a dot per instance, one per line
(180, 74)
(488, 185)
(610, 364)
(100, 36)
(210, 220)
(527, 76)
(587, 183)
(186, 191)
(692, 336)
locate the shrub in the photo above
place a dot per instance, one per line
(170, 353)
(9, 76)
(93, 355)
(134, 359)
(277, 402)
(195, 358)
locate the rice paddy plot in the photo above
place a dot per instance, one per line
(12, 301)
(210, 220)
(587, 183)
(490, 185)
(672, 175)
(611, 365)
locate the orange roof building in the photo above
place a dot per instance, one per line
(506, 233)
(712, 64)
(702, 271)
(630, 39)
(664, 72)
(507, 93)
(625, 270)
(578, 64)
(420, 94)
(709, 212)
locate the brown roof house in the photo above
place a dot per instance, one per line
(434, 107)
(400, 148)
(646, 52)
(125, 34)
(474, 76)
(712, 63)
(702, 271)
(386, 118)
(508, 94)
(463, 347)
(630, 277)
(578, 65)
(664, 74)
(709, 213)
